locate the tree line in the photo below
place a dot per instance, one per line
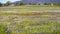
(4, 4)
(8, 3)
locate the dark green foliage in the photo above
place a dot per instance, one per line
(7, 3)
(56, 4)
(22, 3)
(0, 4)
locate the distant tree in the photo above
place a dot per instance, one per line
(0, 4)
(19, 3)
(22, 3)
(50, 4)
(45, 4)
(56, 4)
(8, 3)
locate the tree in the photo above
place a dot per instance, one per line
(56, 4)
(0, 4)
(22, 3)
(7, 3)
(50, 4)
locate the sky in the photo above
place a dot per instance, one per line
(4, 1)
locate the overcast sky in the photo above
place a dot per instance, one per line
(4, 1)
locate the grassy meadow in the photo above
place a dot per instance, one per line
(29, 8)
(30, 20)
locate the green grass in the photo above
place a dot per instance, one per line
(32, 8)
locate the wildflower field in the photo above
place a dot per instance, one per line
(30, 20)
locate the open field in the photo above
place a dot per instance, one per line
(30, 8)
(30, 20)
